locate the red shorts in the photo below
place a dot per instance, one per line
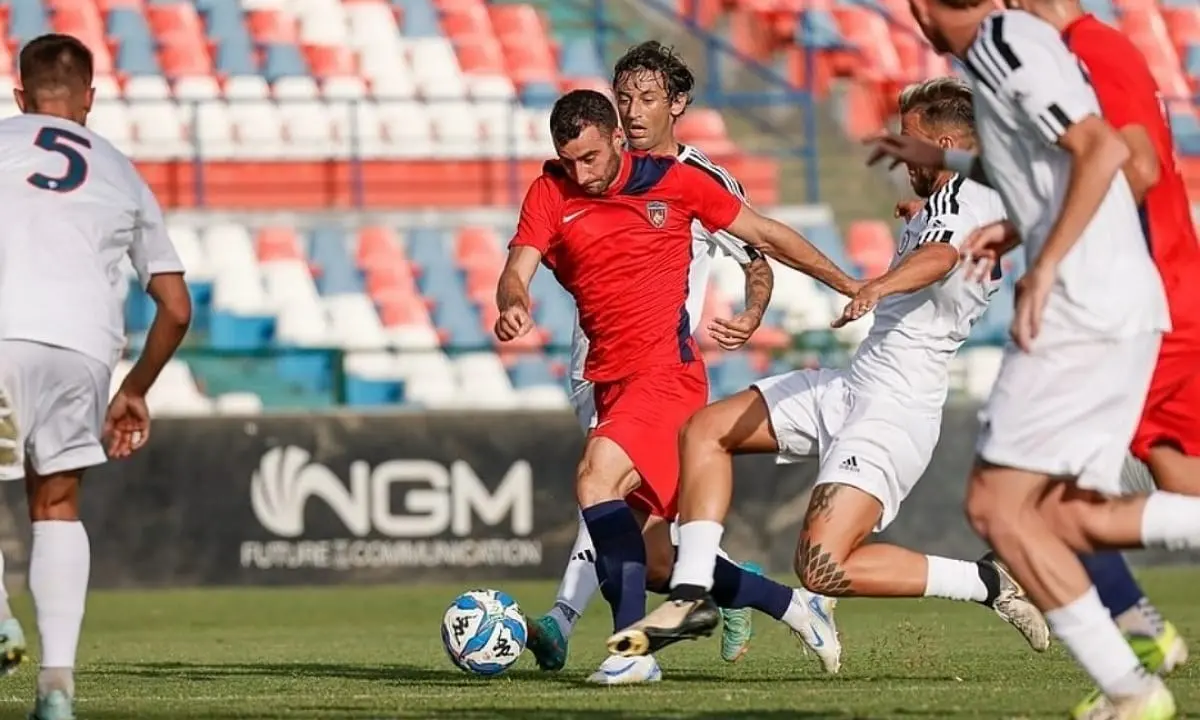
(643, 413)
(1172, 412)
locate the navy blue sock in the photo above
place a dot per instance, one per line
(1114, 582)
(735, 588)
(620, 559)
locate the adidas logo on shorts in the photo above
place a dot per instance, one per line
(850, 463)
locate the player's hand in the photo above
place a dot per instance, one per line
(983, 248)
(513, 323)
(906, 209)
(127, 424)
(733, 333)
(904, 149)
(863, 302)
(1033, 290)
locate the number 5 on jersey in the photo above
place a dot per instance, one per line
(63, 142)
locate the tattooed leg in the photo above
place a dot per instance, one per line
(832, 560)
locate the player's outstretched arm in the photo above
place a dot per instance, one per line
(789, 247)
(512, 292)
(919, 269)
(919, 153)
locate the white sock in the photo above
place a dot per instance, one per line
(59, 565)
(5, 610)
(699, 543)
(1090, 635)
(797, 615)
(579, 583)
(954, 579)
(1171, 521)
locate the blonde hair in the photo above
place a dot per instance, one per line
(941, 102)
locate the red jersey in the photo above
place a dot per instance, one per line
(1129, 95)
(625, 256)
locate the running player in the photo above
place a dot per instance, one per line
(1168, 437)
(615, 228)
(653, 87)
(74, 206)
(1067, 400)
(872, 428)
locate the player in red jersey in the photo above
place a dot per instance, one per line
(615, 228)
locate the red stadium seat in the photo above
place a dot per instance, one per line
(477, 246)
(269, 27)
(182, 60)
(480, 55)
(870, 244)
(468, 21)
(401, 309)
(481, 281)
(383, 278)
(377, 242)
(278, 243)
(329, 62)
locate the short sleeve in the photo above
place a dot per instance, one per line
(151, 251)
(708, 201)
(1030, 66)
(949, 228)
(537, 224)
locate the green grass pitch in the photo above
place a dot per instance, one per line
(358, 653)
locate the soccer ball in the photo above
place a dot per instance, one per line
(483, 632)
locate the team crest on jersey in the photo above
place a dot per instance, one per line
(656, 212)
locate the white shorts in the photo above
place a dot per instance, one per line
(583, 402)
(875, 444)
(1069, 409)
(52, 403)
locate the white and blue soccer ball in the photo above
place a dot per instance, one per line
(484, 632)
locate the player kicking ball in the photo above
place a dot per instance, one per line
(74, 206)
(615, 227)
(653, 88)
(1072, 387)
(872, 427)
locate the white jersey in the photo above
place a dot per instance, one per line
(906, 355)
(73, 207)
(705, 246)
(1029, 89)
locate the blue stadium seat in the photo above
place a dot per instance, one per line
(235, 56)
(364, 392)
(828, 241)
(137, 58)
(420, 19)
(539, 94)
(283, 61)
(819, 30)
(429, 248)
(329, 252)
(129, 25)
(311, 370)
(27, 20)
(240, 332)
(580, 57)
(532, 370)
(454, 315)
(1102, 9)
(1191, 61)
(734, 374)
(1187, 133)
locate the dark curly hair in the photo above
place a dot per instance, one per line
(579, 109)
(654, 57)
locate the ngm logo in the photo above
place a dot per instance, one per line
(436, 501)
